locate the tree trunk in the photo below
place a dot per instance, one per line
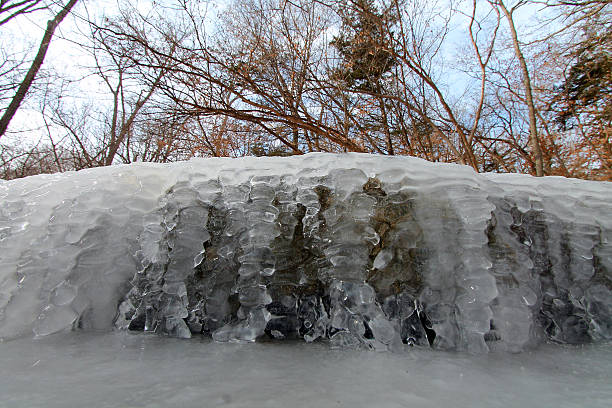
(36, 64)
(533, 130)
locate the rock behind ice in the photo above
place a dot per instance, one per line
(358, 250)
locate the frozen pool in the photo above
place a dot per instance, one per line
(136, 370)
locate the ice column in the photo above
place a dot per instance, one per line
(257, 261)
(515, 308)
(356, 317)
(458, 286)
(577, 292)
(397, 270)
(172, 245)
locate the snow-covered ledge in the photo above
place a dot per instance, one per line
(366, 251)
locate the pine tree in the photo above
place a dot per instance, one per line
(588, 84)
(364, 44)
(365, 47)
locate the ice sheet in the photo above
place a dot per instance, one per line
(362, 251)
(126, 370)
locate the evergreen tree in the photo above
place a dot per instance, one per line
(365, 47)
(587, 87)
(364, 44)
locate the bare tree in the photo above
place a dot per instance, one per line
(109, 132)
(25, 85)
(10, 9)
(529, 99)
(279, 77)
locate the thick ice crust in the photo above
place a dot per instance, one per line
(365, 251)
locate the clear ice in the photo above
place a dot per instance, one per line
(355, 250)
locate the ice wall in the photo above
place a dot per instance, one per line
(357, 250)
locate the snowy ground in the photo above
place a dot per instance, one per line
(134, 370)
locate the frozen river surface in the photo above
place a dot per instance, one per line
(137, 370)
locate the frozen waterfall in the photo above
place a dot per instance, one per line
(357, 250)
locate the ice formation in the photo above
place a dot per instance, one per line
(357, 250)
